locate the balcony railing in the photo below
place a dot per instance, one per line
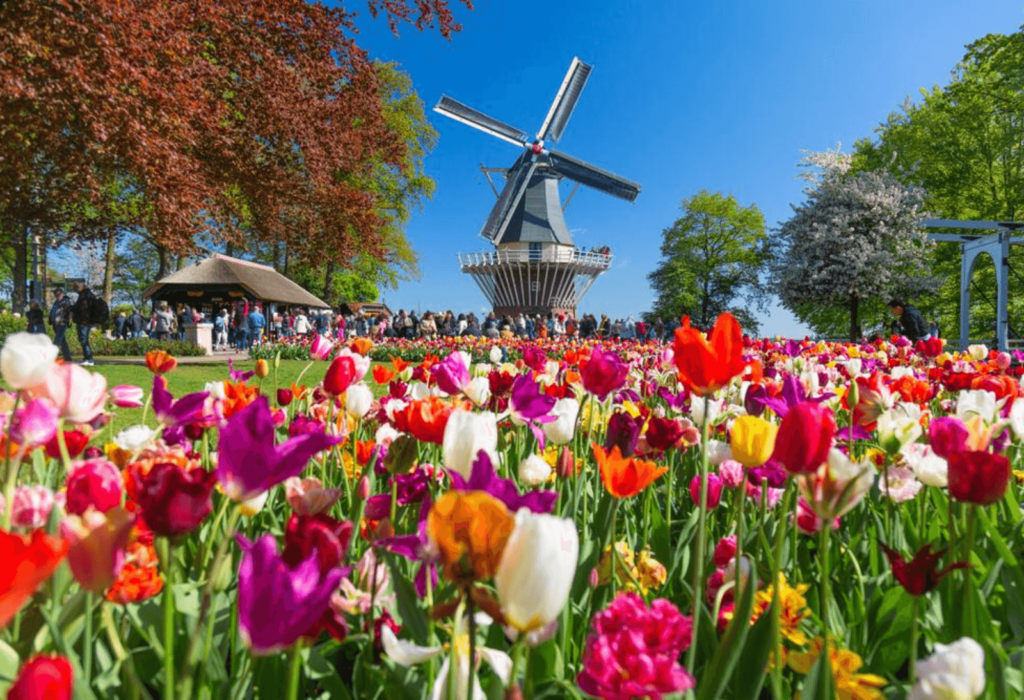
(567, 256)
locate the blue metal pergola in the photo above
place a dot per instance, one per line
(993, 238)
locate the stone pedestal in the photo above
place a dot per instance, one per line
(200, 334)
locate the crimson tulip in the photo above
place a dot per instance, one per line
(340, 374)
(604, 373)
(805, 437)
(95, 483)
(921, 574)
(49, 677)
(663, 434)
(978, 477)
(174, 500)
(321, 533)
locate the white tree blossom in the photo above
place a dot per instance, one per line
(857, 237)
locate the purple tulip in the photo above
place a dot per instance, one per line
(483, 478)
(238, 375)
(170, 412)
(419, 548)
(793, 392)
(451, 374)
(623, 432)
(278, 604)
(528, 405)
(249, 462)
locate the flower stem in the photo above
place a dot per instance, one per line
(913, 640)
(826, 595)
(11, 472)
(471, 680)
(294, 670)
(87, 646)
(698, 575)
(614, 559)
(167, 552)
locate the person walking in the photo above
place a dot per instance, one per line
(134, 325)
(82, 316)
(163, 322)
(220, 330)
(256, 322)
(60, 317)
(34, 317)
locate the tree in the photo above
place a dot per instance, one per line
(245, 120)
(711, 258)
(856, 240)
(964, 143)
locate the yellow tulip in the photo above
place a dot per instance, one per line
(752, 440)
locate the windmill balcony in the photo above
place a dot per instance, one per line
(553, 254)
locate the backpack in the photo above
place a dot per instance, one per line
(99, 312)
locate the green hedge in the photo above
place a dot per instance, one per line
(101, 345)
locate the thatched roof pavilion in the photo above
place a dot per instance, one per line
(221, 280)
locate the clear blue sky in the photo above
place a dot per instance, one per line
(684, 96)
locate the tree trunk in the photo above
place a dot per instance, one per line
(44, 277)
(855, 333)
(179, 262)
(286, 260)
(108, 270)
(329, 284)
(164, 256)
(277, 256)
(19, 294)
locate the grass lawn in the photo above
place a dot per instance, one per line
(185, 379)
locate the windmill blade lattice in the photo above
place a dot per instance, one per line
(565, 101)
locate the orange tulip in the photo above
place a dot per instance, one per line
(262, 368)
(398, 363)
(425, 419)
(361, 346)
(625, 477)
(298, 391)
(364, 449)
(705, 367)
(237, 396)
(381, 374)
(28, 561)
(470, 529)
(429, 361)
(159, 362)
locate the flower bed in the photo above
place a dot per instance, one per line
(738, 518)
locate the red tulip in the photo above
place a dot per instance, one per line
(805, 437)
(321, 533)
(707, 364)
(96, 483)
(340, 374)
(284, 397)
(174, 501)
(74, 440)
(663, 434)
(978, 477)
(921, 574)
(28, 561)
(48, 677)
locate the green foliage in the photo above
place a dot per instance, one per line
(964, 143)
(711, 259)
(104, 346)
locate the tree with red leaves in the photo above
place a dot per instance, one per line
(243, 119)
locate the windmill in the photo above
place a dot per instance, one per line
(535, 266)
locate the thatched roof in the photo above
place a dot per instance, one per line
(220, 279)
(362, 308)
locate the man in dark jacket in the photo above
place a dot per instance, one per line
(60, 317)
(911, 323)
(82, 315)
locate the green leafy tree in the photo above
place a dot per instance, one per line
(711, 260)
(964, 144)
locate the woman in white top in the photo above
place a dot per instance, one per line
(301, 324)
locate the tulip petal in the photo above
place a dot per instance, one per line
(406, 653)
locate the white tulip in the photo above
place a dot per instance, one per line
(718, 452)
(536, 570)
(746, 572)
(495, 355)
(26, 358)
(853, 366)
(385, 435)
(418, 391)
(1017, 418)
(954, 672)
(465, 435)
(479, 390)
(977, 352)
(534, 471)
(978, 402)
(929, 468)
(898, 426)
(481, 369)
(358, 399)
(253, 505)
(561, 430)
(135, 438)
(216, 390)
(697, 409)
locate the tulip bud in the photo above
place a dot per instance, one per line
(262, 368)
(714, 495)
(96, 483)
(44, 677)
(594, 578)
(26, 359)
(805, 437)
(566, 464)
(340, 375)
(363, 488)
(284, 397)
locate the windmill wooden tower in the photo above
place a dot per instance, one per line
(535, 266)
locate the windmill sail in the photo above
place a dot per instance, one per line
(515, 185)
(592, 176)
(565, 101)
(478, 120)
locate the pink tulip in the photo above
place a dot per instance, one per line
(32, 506)
(320, 348)
(78, 394)
(308, 496)
(126, 396)
(97, 541)
(714, 490)
(95, 483)
(35, 423)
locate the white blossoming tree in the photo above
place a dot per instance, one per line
(856, 239)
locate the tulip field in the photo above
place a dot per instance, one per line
(712, 517)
